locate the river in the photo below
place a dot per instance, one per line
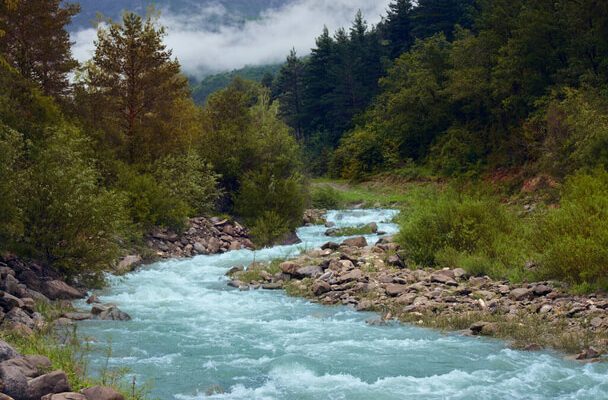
(191, 334)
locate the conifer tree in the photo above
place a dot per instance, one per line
(290, 86)
(33, 40)
(396, 28)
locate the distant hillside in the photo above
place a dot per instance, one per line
(213, 83)
(237, 10)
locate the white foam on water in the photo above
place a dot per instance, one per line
(190, 332)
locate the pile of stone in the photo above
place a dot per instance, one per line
(203, 236)
(374, 278)
(22, 284)
(32, 378)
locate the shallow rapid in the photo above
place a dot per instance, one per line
(192, 334)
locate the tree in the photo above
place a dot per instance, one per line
(36, 42)
(396, 28)
(289, 85)
(139, 88)
(441, 16)
(11, 218)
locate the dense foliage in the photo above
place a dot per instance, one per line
(84, 176)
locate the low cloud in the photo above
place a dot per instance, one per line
(203, 47)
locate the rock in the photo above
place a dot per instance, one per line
(5, 397)
(17, 316)
(330, 246)
(484, 328)
(214, 245)
(588, 354)
(545, 308)
(460, 273)
(29, 366)
(6, 351)
(541, 290)
(109, 312)
(14, 382)
(289, 239)
(320, 287)
(355, 242)
(311, 271)
(290, 268)
(272, 286)
(521, 294)
(59, 290)
(93, 299)
(65, 396)
(395, 290)
(353, 275)
(597, 322)
(395, 261)
(128, 263)
(199, 248)
(440, 277)
(54, 382)
(8, 301)
(235, 269)
(77, 316)
(101, 393)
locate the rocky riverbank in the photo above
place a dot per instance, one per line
(26, 288)
(375, 278)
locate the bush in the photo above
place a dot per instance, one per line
(71, 221)
(150, 203)
(262, 192)
(326, 197)
(189, 179)
(455, 152)
(573, 240)
(11, 222)
(268, 228)
(447, 226)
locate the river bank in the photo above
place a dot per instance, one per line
(372, 277)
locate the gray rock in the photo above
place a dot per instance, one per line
(6, 351)
(108, 312)
(200, 248)
(128, 263)
(442, 277)
(330, 246)
(311, 271)
(541, 290)
(521, 294)
(290, 268)
(395, 290)
(65, 396)
(59, 290)
(320, 287)
(29, 366)
(355, 242)
(18, 316)
(353, 275)
(395, 261)
(14, 381)
(101, 393)
(54, 382)
(8, 301)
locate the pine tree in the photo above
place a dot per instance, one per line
(139, 84)
(318, 84)
(35, 41)
(434, 16)
(290, 88)
(396, 28)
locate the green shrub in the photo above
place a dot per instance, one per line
(71, 221)
(189, 179)
(268, 228)
(573, 240)
(150, 203)
(11, 222)
(456, 229)
(456, 151)
(262, 191)
(326, 197)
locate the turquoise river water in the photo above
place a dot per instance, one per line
(191, 332)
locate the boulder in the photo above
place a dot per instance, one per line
(330, 246)
(541, 290)
(101, 393)
(353, 275)
(5, 397)
(394, 290)
(17, 316)
(54, 382)
(289, 267)
(128, 263)
(311, 271)
(29, 366)
(14, 382)
(588, 354)
(65, 396)
(460, 273)
(521, 294)
(372, 226)
(59, 290)
(214, 245)
(6, 351)
(443, 278)
(320, 287)
(108, 312)
(8, 301)
(395, 261)
(355, 242)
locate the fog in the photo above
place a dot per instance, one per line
(203, 47)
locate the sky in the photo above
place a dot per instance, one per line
(266, 40)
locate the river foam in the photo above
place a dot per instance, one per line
(191, 333)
